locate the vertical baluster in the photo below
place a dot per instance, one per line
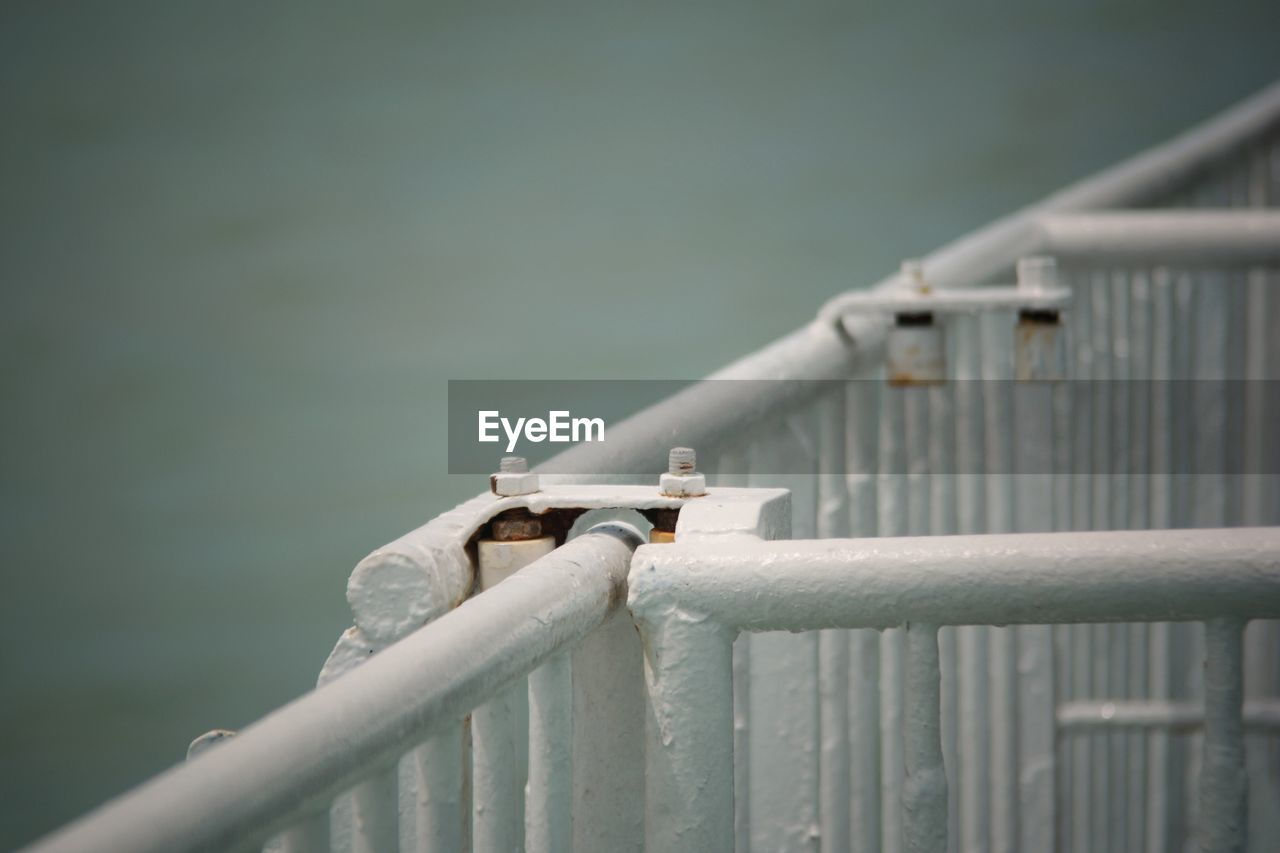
(1186, 640)
(1140, 471)
(1206, 453)
(1158, 824)
(1101, 766)
(784, 671)
(863, 413)
(833, 645)
(688, 736)
(741, 663)
(734, 471)
(1223, 781)
(1061, 635)
(307, 836)
(500, 727)
(498, 779)
(375, 813)
(1257, 482)
(1118, 360)
(548, 808)
(924, 792)
(1258, 507)
(893, 512)
(1002, 652)
(916, 420)
(1083, 477)
(607, 758)
(440, 814)
(1033, 411)
(971, 640)
(943, 520)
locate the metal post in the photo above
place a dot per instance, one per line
(924, 789)
(688, 734)
(548, 810)
(499, 728)
(375, 813)
(440, 812)
(1224, 802)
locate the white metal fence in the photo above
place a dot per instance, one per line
(1078, 729)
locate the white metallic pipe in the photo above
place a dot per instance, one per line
(1261, 715)
(924, 798)
(1224, 783)
(500, 727)
(975, 257)
(688, 734)
(441, 819)
(998, 579)
(291, 762)
(549, 804)
(690, 599)
(375, 812)
(1173, 237)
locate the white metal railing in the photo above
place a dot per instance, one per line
(825, 750)
(290, 765)
(692, 600)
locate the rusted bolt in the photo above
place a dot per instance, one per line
(515, 526)
(915, 352)
(513, 477)
(681, 479)
(1040, 345)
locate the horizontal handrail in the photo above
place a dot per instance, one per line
(1137, 180)
(1097, 715)
(292, 763)
(1168, 236)
(993, 579)
(692, 599)
(834, 346)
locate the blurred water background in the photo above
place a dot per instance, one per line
(245, 245)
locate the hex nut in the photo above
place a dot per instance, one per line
(509, 484)
(683, 485)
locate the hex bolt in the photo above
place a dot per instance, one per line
(1040, 343)
(681, 479)
(915, 352)
(513, 478)
(1038, 272)
(682, 460)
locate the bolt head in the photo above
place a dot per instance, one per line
(509, 484)
(683, 485)
(1038, 272)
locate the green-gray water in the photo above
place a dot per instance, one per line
(244, 247)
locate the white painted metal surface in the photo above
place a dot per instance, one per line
(691, 599)
(920, 736)
(294, 761)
